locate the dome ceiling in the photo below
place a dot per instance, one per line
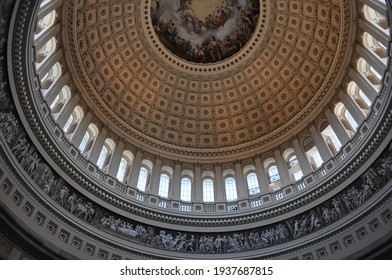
(129, 67)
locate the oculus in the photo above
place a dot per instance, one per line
(204, 31)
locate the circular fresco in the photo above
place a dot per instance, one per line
(204, 31)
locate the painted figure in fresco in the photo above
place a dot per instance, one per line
(208, 36)
(185, 5)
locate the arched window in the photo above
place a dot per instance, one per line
(144, 175)
(293, 161)
(45, 51)
(68, 123)
(330, 138)
(102, 157)
(59, 102)
(164, 184)
(88, 139)
(121, 170)
(375, 47)
(105, 154)
(346, 119)
(351, 120)
(125, 166)
(365, 99)
(360, 98)
(142, 181)
(298, 175)
(273, 174)
(375, 18)
(186, 189)
(208, 190)
(294, 168)
(44, 2)
(45, 23)
(366, 70)
(51, 77)
(84, 142)
(231, 189)
(312, 153)
(73, 121)
(253, 184)
(272, 170)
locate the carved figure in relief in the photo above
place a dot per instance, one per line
(314, 221)
(32, 163)
(190, 246)
(304, 225)
(48, 187)
(366, 192)
(202, 242)
(326, 215)
(297, 232)
(85, 210)
(2, 89)
(347, 202)
(62, 195)
(218, 244)
(336, 207)
(71, 202)
(19, 146)
(8, 126)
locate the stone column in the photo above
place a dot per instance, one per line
(302, 158)
(220, 193)
(370, 58)
(48, 7)
(156, 177)
(48, 64)
(376, 5)
(46, 36)
(176, 190)
(135, 169)
(198, 189)
(116, 159)
(77, 137)
(337, 127)
(282, 168)
(364, 85)
(352, 107)
(67, 110)
(322, 147)
(261, 176)
(54, 90)
(376, 32)
(97, 146)
(242, 191)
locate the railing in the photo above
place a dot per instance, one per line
(120, 188)
(299, 186)
(164, 203)
(257, 202)
(186, 207)
(209, 208)
(141, 197)
(232, 207)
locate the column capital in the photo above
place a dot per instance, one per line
(256, 155)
